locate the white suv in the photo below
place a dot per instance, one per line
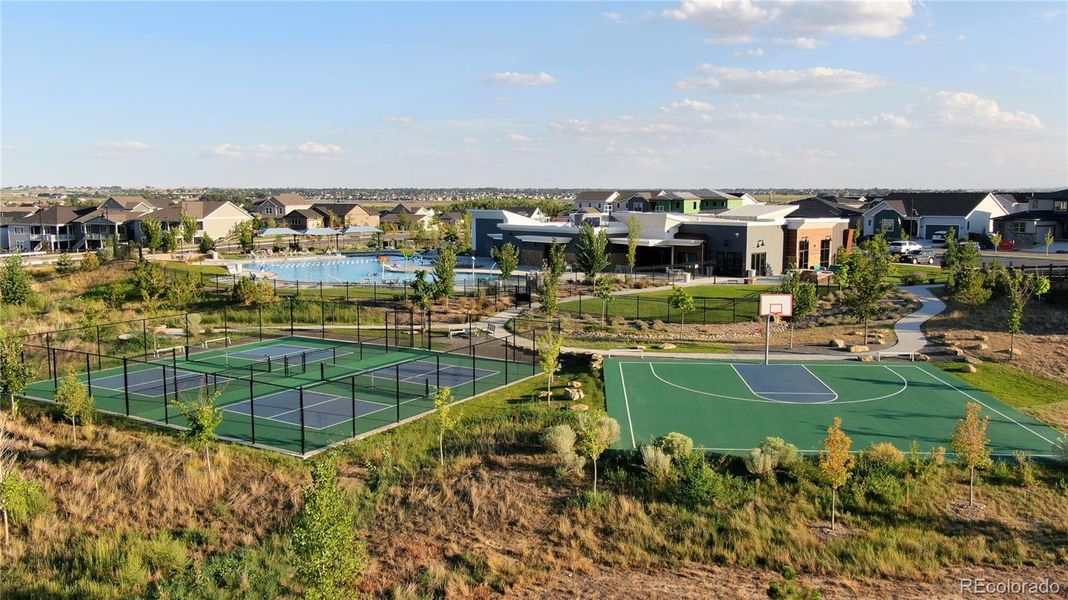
(904, 247)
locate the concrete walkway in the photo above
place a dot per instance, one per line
(909, 332)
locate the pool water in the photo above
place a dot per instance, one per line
(354, 269)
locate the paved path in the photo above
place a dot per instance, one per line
(909, 331)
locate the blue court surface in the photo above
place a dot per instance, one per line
(320, 410)
(421, 371)
(785, 383)
(157, 381)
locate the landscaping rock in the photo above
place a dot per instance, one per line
(575, 383)
(981, 346)
(953, 350)
(922, 358)
(839, 344)
(971, 360)
(866, 358)
(638, 348)
(667, 346)
(859, 348)
(577, 407)
(982, 338)
(968, 369)
(544, 395)
(573, 394)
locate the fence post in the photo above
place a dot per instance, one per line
(437, 370)
(322, 317)
(88, 375)
(473, 371)
(704, 310)
(429, 329)
(580, 303)
(352, 396)
(291, 314)
(534, 353)
(302, 442)
(48, 353)
(55, 369)
(252, 408)
(144, 336)
(166, 408)
(397, 386)
(98, 352)
(126, 385)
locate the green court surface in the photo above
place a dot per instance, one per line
(310, 394)
(731, 408)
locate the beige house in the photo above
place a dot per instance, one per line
(345, 215)
(138, 204)
(216, 219)
(280, 205)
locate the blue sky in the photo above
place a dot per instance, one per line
(680, 94)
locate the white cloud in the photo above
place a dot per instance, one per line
(749, 52)
(964, 109)
(960, 38)
(130, 146)
(317, 149)
(400, 119)
(884, 18)
(803, 43)
(519, 137)
(919, 38)
(731, 40)
(814, 80)
(613, 17)
(687, 104)
(521, 79)
(882, 120)
(1049, 15)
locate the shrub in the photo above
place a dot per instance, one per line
(1060, 449)
(65, 264)
(790, 588)
(938, 456)
(913, 278)
(656, 462)
(559, 439)
(696, 483)
(252, 293)
(883, 453)
(675, 445)
(206, 244)
(90, 262)
(785, 454)
(1025, 469)
(761, 463)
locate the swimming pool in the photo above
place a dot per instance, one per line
(354, 269)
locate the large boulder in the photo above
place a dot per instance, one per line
(573, 394)
(866, 358)
(839, 344)
(968, 369)
(859, 348)
(667, 346)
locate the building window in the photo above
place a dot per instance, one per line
(759, 263)
(825, 253)
(1019, 227)
(1060, 206)
(886, 225)
(802, 254)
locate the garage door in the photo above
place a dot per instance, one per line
(930, 230)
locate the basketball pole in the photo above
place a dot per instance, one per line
(767, 341)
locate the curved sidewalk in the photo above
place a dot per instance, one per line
(909, 332)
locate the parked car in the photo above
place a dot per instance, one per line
(938, 237)
(919, 257)
(904, 247)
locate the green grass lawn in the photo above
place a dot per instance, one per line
(712, 304)
(600, 344)
(194, 268)
(926, 270)
(1011, 385)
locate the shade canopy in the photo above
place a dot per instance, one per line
(361, 229)
(321, 231)
(277, 231)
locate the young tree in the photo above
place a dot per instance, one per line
(15, 375)
(553, 270)
(634, 235)
(90, 262)
(248, 292)
(507, 257)
(183, 290)
(1021, 288)
(594, 433)
(73, 397)
(329, 557)
(422, 291)
(151, 233)
(591, 251)
(970, 444)
(14, 282)
(864, 272)
(804, 294)
(202, 418)
(1048, 240)
(444, 275)
(189, 228)
(20, 498)
(447, 421)
(681, 301)
(836, 463)
(65, 264)
(996, 240)
(206, 244)
(604, 288)
(170, 241)
(245, 236)
(149, 280)
(549, 346)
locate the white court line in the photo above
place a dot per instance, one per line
(752, 391)
(626, 403)
(823, 383)
(306, 407)
(709, 449)
(933, 376)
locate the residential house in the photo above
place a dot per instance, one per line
(51, 229)
(922, 214)
(7, 215)
(216, 219)
(305, 218)
(406, 215)
(713, 200)
(604, 201)
(138, 204)
(1043, 213)
(345, 215)
(101, 226)
(278, 206)
(823, 208)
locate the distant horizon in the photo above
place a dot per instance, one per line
(459, 95)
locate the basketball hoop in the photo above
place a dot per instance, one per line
(774, 305)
